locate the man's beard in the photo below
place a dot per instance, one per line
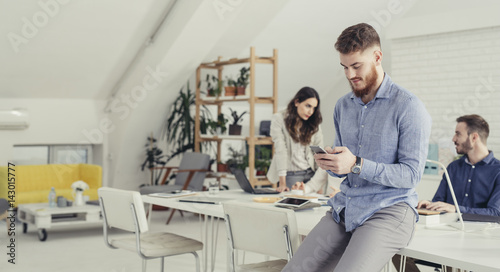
(465, 148)
(370, 80)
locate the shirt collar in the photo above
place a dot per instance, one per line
(383, 91)
(487, 160)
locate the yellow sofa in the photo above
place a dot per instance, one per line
(33, 182)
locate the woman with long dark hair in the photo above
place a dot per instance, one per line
(293, 131)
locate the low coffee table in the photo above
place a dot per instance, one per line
(44, 217)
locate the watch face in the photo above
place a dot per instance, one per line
(356, 169)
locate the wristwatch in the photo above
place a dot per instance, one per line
(356, 169)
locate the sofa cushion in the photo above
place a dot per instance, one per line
(33, 182)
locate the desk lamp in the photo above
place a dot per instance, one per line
(462, 225)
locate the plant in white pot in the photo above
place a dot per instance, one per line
(218, 127)
(235, 128)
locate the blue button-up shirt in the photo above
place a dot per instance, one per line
(476, 187)
(391, 134)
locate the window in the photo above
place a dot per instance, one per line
(52, 154)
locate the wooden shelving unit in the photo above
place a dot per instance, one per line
(252, 139)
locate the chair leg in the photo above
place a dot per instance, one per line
(162, 264)
(171, 215)
(143, 265)
(197, 260)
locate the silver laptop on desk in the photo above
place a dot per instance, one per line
(245, 183)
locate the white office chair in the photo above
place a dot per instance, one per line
(124, 210)
(262, 229)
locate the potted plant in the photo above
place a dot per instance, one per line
(264, 161)
(214, 85)
(235, 128)
(222, 167)
(154, 157)
(242, 81)
(178, 129)
(218, 127)
(237, 159)
(231, 87)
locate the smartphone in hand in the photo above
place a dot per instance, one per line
(317, 149)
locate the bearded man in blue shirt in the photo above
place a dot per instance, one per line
(381, 143)
(475, 177)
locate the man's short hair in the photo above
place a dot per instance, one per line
(476, 123)
(357, 38)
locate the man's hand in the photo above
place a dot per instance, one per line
(422, 204)
(436, 206)
(339, 160)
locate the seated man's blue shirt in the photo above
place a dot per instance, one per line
(476, 187)
(391, 134)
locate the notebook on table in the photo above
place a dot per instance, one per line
(244, 183)
(204, 200)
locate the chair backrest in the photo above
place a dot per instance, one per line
(116, 206)
(193, 160)
(260, 228)
(4, 205)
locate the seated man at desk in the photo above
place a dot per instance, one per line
(475, 176)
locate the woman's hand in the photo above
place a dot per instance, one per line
(282, 189)
(334, 192)
(299, 186)
(282, 185)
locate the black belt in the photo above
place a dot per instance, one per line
(299, 173)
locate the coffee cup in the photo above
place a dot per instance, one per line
(61, 201)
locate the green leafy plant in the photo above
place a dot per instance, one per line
(243, 77)
(154, 156)
(264, 160)
(237, 159)
(214, 85)
(236, 118)
(179, 128)
(219, 125)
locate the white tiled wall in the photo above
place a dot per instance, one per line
(454, 74)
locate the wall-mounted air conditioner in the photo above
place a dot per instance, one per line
(14, 119)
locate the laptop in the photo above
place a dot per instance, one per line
(245, 183)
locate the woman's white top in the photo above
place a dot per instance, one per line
(292, 156)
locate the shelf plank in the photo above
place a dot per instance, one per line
(265, 60)
(221, 99)
(217, 63)
(259, 139)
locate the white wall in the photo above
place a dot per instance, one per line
(54, 121)
(454, 69)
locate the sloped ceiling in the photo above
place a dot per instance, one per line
(70, 49)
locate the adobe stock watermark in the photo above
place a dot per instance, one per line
(383, 18)
(126, 103)
(31, 26)
(123, 105)
(470, 104)
(223, 6)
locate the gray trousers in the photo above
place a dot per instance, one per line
(293, 177)
(328, 247)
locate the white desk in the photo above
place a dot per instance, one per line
(306, 219)
(473, 251)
